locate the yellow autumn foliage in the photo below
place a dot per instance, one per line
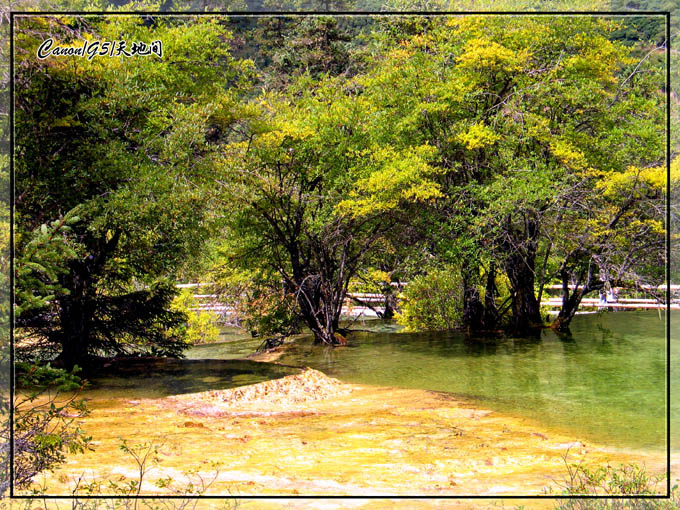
(613, 183)
(568, 154)
(398, 175)
(483, 54)
(477, 136)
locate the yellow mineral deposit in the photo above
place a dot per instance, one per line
(309, 434)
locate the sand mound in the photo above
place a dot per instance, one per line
(265, 398)
(308, 385)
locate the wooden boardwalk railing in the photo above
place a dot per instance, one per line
(210, 303)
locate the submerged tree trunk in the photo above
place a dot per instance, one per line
(526, 312)
(320, 305)
(478, 315)
(572, 300)
(520, 264)
(568, 311)
(473, 308)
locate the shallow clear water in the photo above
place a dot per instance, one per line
(605, 382)
(163, 377)
(233, 345)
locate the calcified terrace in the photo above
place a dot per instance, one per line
(309, 434)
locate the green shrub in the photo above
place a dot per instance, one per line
(201, 327)
(46, 413)
(271, 313)
(615, 481)
(432, 301)
(261, 304)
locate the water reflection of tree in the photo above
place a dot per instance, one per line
(489, 346)
(601, 338)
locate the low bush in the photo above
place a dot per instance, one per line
(432, 301)
(613, 482)
(201, 327)
(123, 493)
(45, 427)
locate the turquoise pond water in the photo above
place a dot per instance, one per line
(605, 382)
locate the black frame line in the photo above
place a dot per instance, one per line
(343, 13)
(11, 255)
(666, 14)
(668, 254)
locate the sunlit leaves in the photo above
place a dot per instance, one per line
(635, 180)
(489, 57)
(396, 175)
(567, 154)
(477, 136)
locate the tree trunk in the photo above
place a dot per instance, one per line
(526, 312)
(479, 316)
(520, 265)
(75, 317)
(567, 312)
(587, 281)
(390, 305)
(319, 310)
(491, 317)
(473, 308)
(571, 302)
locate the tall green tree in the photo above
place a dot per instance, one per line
(316, 46)
(119, 150)
(282, 188)
(523, 118)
